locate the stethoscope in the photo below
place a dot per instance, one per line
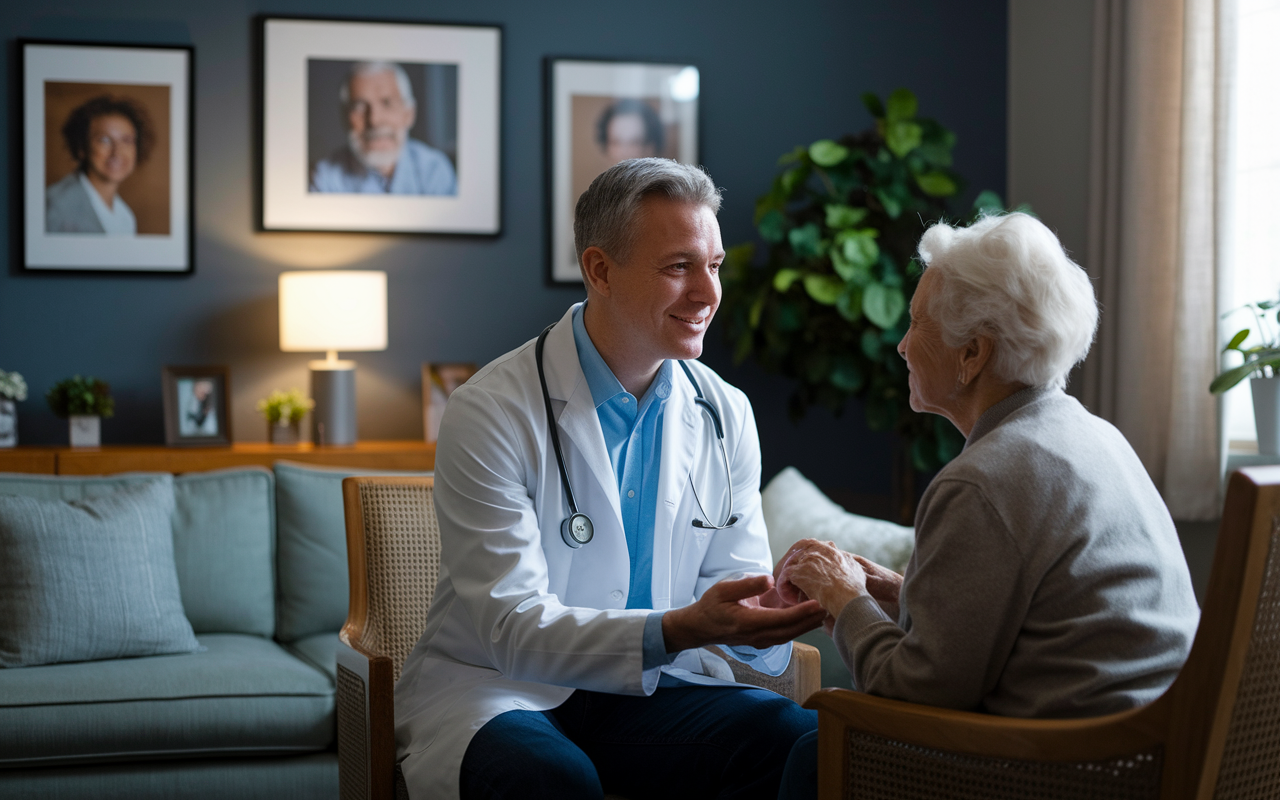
(578, 529)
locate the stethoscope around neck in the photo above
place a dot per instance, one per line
(577, 529)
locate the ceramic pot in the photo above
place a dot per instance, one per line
(8, 423)
(86, 430)
(1266, 414)
(284, 432)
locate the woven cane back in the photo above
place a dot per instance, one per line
(402, 560)
(1251, 756)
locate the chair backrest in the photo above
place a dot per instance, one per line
(1225, 713)
(393, 546)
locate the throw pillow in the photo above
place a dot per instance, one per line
(90, 579)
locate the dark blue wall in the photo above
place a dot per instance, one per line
(773, 75)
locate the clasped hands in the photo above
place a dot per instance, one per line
(808, 588)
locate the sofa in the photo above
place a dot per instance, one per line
(260, 560)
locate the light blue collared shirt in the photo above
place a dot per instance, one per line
(421, 169)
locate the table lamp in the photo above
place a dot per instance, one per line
(332, 310)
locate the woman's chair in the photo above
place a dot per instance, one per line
(1214, 734)
(393, 558)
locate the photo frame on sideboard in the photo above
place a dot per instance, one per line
(438, 383)
(197, 406)
(602, 112)
(108, 174)
(430, 160)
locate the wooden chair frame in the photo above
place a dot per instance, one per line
(1189, 721)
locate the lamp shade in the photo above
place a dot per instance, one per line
(329, 310)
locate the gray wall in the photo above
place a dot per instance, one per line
(773, 75)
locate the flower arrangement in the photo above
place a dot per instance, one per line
(285, 407)
(12, 386)
(77, 396)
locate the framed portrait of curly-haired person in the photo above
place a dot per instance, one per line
(107, 157)
(600, 113)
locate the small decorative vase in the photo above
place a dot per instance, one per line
(86, 430)
(284, 432)
(8, 423)
(1266, 414)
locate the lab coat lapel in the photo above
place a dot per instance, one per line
(577, 418)
(680, 437)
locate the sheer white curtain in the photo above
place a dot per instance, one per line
(1156, 252)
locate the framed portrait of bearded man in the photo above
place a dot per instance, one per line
(107, 174)
(380, 126)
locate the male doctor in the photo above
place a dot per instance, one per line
(549, 670)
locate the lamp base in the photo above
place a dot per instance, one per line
(333, 387)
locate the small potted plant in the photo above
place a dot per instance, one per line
(284, 412)
(83, 401)
(1260, 362)
(13, 389)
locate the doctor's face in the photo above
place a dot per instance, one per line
(668, 289)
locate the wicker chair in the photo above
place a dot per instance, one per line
(393, 556)
(1214, 734)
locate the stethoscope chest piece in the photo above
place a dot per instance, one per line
(577, 530)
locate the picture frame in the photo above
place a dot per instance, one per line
(344, 149)
(126, 203)
(197, 406)
(439, 380)
(599, 113)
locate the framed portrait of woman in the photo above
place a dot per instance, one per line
(107, 167)
(603, 112)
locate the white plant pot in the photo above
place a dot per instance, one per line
(86, 430)
(8, 423)
(1266, 413)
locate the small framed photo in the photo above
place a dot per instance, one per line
(603, 112)
(197, 406)
(107, 157)
(438, 382)
(380, 126)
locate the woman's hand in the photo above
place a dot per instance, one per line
(824, 572)
(882, 583)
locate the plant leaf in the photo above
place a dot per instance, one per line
(806, 241)
(849, 303)
(892, 207)
(859, 247)
(827, 153)
(902, 137)
(757, 308)
(783, 279)
(825, 289)
(988, 202)
(1236, 374)
(936, 184)
(842, 216)
(773, 226)
(883, 305)
(1234, 344)
(871, 344)
(873, 104)
(846, 375)
(902, 105)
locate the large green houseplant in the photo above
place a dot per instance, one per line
(828, 304)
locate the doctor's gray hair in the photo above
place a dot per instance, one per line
(606, 212)
(373, 68)
(1007, 277)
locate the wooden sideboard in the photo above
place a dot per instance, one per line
(396, 455)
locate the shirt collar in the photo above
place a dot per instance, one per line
(603, 383)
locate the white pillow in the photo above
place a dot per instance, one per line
(795, 509)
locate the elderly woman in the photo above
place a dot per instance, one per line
(1047, 578)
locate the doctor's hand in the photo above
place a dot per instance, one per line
(731, 612)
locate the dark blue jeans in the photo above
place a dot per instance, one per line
(695, 741)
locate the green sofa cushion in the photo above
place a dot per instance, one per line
(320, 650)
(311, 557)
(223, 539)
(240, 695)
(91, 578)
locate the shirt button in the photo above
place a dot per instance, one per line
(664, 389)
(615, 594)
(631, 493)
(626, 400)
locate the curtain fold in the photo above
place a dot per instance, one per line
(1156, 210)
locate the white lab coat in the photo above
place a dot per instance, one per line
(519, 620)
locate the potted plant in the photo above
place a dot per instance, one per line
(284, 412)
(827, 306)
(83, 401)
(13, 390)
(1260, 362)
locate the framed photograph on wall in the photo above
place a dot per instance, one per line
(438, 382)
(380, 126)
(107, 157)
(600, 113)
(197, 404)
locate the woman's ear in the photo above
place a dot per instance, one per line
(974, 357)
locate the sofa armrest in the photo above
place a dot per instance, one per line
(802, 677)
(366, 724)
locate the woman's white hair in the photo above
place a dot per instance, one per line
(1006, 276)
